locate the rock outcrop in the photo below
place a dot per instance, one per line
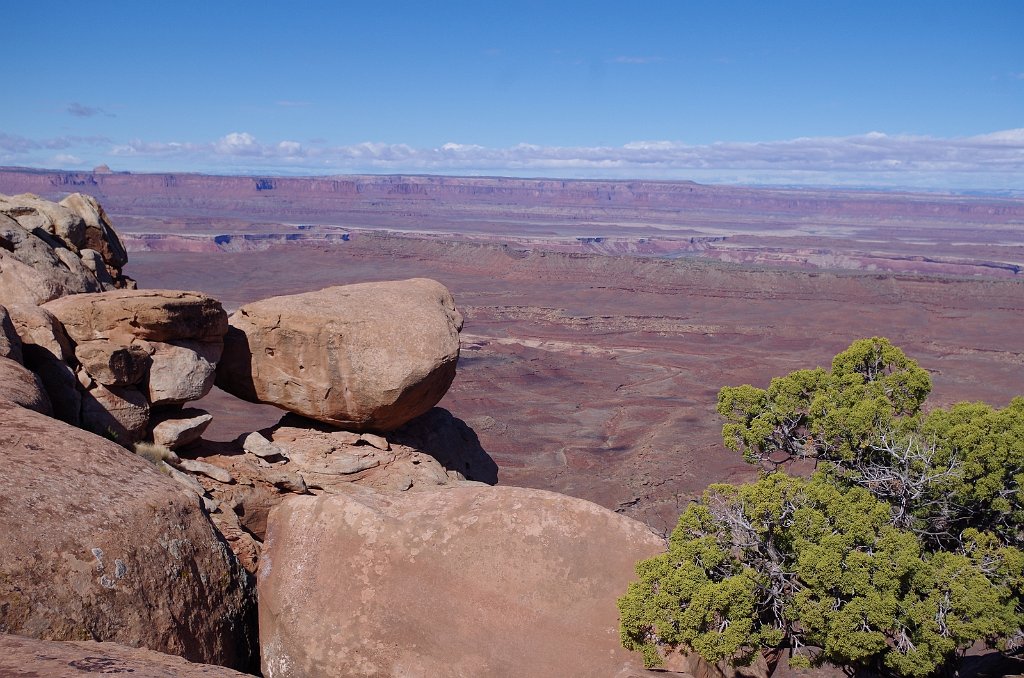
(48, 250)
(98, 235)
(137, 355)
(29, 657)
(467, 581)
(385, 553)
(96, 544)
(365, 357)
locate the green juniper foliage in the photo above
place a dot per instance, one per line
(871, 388)
(897, 554)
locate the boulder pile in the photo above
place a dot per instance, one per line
(300, 457)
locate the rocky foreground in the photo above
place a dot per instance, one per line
(359, 536)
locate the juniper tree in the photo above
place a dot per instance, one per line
(942, 472)
(900, 551)
(807, 565)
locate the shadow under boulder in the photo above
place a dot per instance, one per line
(451, 441)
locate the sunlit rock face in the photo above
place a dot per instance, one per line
(365, 357)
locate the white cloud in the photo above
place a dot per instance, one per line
(993, 160)
(650, 145)
(238, 143)
(1007, 136)
(64, 159)
(1001, 151)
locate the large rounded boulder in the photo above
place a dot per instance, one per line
(461, 582)
(366, 357)
(97, 544)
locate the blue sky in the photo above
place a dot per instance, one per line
(896, 93)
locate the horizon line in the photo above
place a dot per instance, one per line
(1006, 193)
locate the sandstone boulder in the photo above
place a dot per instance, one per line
(182, 371)
(119, 413)
(467, 581)
(48, 352)
(113, 364)
(29, 657)
(97, 544)
(21, 386)
(135, 349)
(177, 428)
(42, 335)
(153, 315)
(256, 443)
(77, 232)
(364, 357)
(99, 234)
(44, 217)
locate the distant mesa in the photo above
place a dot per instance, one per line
(102, 169)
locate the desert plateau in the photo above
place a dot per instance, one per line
(602, 318)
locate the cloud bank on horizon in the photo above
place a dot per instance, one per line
(991, 161)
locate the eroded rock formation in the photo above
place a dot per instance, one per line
(365, 357)
(244, 480)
